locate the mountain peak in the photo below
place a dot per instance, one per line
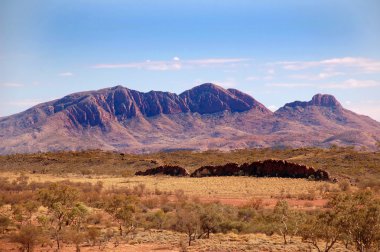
(118, 103)
(207, 87)
(117, 87)
(123, 119)
(319, 100)
(324, 100)
(210, 98)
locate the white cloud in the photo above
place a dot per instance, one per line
(312, 77)
(252, 78)
(271, 71)
(289, 85)
(347, 84)
(364, 65)
(174, 64)
(370, 108)
(66, 74)
(226, 84)
(352, 83)
(11, 85)
(25, 103)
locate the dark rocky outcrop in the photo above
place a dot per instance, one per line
(164, 170)
(267, 168)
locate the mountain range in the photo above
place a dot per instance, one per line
(204, 117)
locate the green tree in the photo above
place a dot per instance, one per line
(60, 199)
(157, 219)
(24, 211)
(210, 218)
(123, 209)
(351, 218)
(322, 228)
(188, 221)
(287, 221)
(72, 235)
(361, 220)
(28, 236)
(77, 218)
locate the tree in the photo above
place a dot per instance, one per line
(287, 221)
(73, 236)
(23, 212)
(77, 217)
(210, 219)
(362, 221)
(93, 234)
(60, 199)
(187, 221)
(157, 219)
(123, 209)
(351, 218)
(322, 227)
(28, 236)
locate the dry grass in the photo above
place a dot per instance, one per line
(361, 167)
(218, 187)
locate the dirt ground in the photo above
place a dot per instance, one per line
(167, 241)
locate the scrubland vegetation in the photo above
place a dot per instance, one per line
(362, 168)
(67, 214)
(49, 205)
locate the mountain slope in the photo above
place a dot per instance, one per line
(325, 114)
(204, 117)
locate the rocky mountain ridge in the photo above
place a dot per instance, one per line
(204, 117)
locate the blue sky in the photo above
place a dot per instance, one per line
(277, 51)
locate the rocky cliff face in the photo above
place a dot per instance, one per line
(320, 100)
(91, 109)
(209, 98)
(205, 117)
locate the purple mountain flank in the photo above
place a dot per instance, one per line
(120, 103)
(204, 117)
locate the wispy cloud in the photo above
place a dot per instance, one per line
(252, 78)
(365, 65)
(352, 83)
(289, 85)
(25, 103)
(175, 64)
(319, 76)
(11, 85)
(66, 74)
(226, 84)
(370, 108)
(346, 84)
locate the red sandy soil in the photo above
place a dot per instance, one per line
(268, 203)
(6, 245)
